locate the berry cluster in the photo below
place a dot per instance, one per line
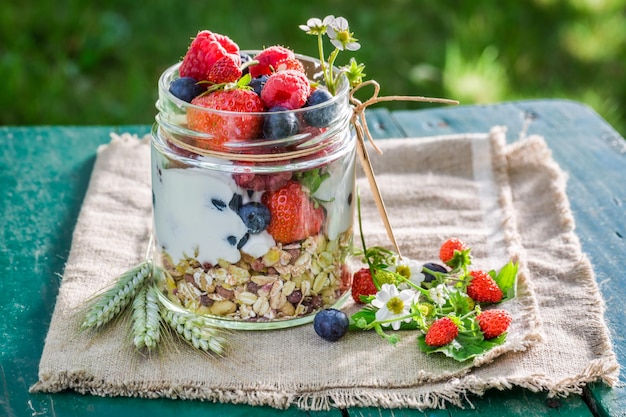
(451, 304)
(216, 74)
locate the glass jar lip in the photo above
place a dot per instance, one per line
(168, 75)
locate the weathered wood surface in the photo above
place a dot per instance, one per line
(44, 173)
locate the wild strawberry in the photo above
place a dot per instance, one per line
(294, 216)
(225, 70)
(454, 252)
(441, 332)
(267, 60)
(494, 322)
(204, 51)
(483, 289)
(362, 284)
(226, 127)
(289, 89)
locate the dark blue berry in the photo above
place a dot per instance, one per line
(255, 216)
(433, 267)
(331, 324)
(218, 204)
(323, 116)
(258, 83)
(243, 241)
(186, 88)
(280, 123)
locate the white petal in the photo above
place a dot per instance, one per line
(331, 32)
(314, 22)
(353, 46)
(328, 20)
(396, 325)
(341, 23)
(382, 314)
(304, 28)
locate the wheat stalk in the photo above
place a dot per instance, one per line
(146, 319)
(197, 330)
(110, 303)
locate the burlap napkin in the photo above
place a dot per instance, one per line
(508, 202)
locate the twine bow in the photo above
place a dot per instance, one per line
(362, 131)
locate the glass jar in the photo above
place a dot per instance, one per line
(254, 233)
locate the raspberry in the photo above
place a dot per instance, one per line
(289, 89)
(225, 70)
(261, 182)
(267, 60)
(441, 332)
(494, 322)
(204, 51)
(362, 284)
(483, 289)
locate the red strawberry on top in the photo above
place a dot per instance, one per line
(223, 126)
(204, 51)
(225, 70)
(483, 289)
(494, 322)
(268, 58)
(441, 332)
(288, 89)
(362, 284)
(293, 215)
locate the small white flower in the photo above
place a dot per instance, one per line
(393, 305)
(315, 26)
(340, 36)
(438, 294)
(410, 269)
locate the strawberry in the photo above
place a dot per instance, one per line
(483, 289)
(441, 332)
(289, 63)
(267, 60)
(222, 126)
(362, 284)
(294, 216)
(288, 89)
(225, 70)
(454, 252)
(204, 51)
(494, 322)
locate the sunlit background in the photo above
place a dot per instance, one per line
(76, 62)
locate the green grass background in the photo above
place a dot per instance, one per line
(79, 62)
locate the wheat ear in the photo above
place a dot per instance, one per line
(114, 300)
(196, 330)
(146, 319)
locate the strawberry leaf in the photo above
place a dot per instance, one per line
(463, 347)
(506, 280)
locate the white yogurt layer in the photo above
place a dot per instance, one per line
(191, 213)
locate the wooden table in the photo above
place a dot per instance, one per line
(44, 173)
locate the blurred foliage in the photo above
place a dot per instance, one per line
(78, 62)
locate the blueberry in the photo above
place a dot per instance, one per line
(280, 123)
(331, 324)
(255, 216)
(258, 83)
(186, 88)
(433, 267)
(321, 117)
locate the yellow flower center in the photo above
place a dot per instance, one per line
(395, 305)
(343, 36)
(404, 270)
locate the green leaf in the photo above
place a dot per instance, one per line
(362, 319)
(506, 280)
(464, 347)
(312, 179)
